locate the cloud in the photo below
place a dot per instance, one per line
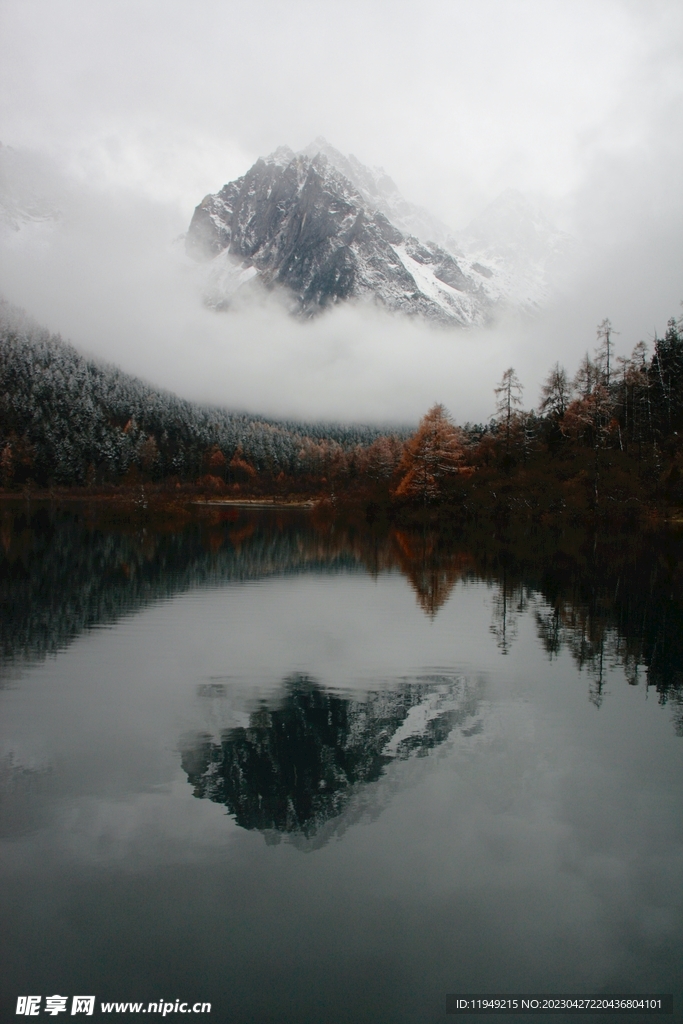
(106, 277)
(458, 101)
(139, 110)
(107, 274)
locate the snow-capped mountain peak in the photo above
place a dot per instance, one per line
(381, 193)
(326, 228)
(303, 225)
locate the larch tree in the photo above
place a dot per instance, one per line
(379, 460)
(216, 462)
(556, 393)
(591, 420)
(587, 376)
(509, 398)
(604, 357)
(432, 455)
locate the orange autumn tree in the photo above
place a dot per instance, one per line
(433, 454)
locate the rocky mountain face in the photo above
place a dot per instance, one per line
(327, 229)
(323, 228)
(298, 222)
(380, 193)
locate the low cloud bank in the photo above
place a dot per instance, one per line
(107, 274)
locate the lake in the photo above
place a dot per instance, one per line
(310, 773)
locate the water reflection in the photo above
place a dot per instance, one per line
(432, 568)
(302, 761)
(605, 599)
(461, 715)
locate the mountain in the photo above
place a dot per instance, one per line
(296, 221)
(326, 228)
(31, 190)
(380, 193)
(322, 228)
(516, 240)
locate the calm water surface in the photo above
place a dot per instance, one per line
(309, 774)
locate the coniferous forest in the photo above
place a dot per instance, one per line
(607, 441)
(67, 421)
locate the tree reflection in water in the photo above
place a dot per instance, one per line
(606, 599)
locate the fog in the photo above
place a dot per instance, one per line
(121, 292)
(127, 115)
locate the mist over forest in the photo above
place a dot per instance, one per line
(111, 173)
(100, 249)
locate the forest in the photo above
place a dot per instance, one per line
(70, 421)
(606, 442)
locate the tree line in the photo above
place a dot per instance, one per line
(608, 439)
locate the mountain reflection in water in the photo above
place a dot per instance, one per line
(302, 761)
(607, 599)
(464, 732)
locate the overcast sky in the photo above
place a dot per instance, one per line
(150, 104)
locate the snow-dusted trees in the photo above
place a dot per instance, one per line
(68, 420)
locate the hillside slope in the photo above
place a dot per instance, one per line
(66, 419)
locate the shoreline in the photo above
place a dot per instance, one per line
(156, 501)
(261, 503)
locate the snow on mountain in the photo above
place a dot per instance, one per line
(304, 226)
(526, 251)
(29, 194)
(511, 242)
(327, 229)
(379, 192)
(323, 228)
